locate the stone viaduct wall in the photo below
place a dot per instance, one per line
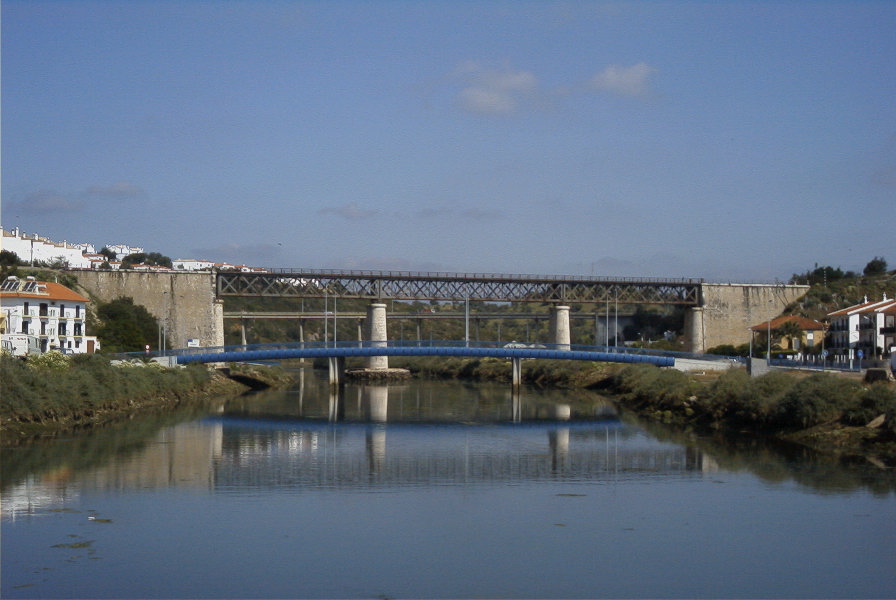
(730, 309)
(184, 302)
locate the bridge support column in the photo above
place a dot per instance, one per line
(560, 327)
(693, 328)
(516, 365)
(376, 335)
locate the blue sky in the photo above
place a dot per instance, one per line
(736, 141)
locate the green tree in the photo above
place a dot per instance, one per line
(9, 261)
(109, 254)
(789, 330)
(141, 258)
(876, 266)
(125, 326)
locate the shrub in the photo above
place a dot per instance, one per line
(878, 399)
(44, 389)
(727, 395)
(820, 398)
(53, 360)
(665, 389)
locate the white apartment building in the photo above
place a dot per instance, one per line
(191, 264)
(34, 249)
(50, 311)
(122, 250)
(869, 327)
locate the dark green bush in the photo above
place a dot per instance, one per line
(727, 395)
(759, 404)
(878, 399)
(665, 389)
(819, 398)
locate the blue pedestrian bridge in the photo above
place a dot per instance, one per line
(512, 350)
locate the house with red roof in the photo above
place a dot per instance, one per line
(811, 332)
(47, 310)
(869, 326)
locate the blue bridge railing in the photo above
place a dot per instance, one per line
(280, 351)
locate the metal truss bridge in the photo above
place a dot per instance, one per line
(399, 285)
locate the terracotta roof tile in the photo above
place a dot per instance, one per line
(804, 323)
(54, 291)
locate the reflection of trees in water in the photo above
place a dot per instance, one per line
(779, 461)
(93, 447)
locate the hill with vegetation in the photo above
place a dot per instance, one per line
(833, 289)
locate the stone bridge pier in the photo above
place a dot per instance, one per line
(730, 309)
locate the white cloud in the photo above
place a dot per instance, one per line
(490, 90)
(624, 81)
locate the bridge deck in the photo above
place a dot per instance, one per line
(367, 349)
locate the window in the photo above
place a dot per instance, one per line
(62, 328)
(77, 329)
(25, 326)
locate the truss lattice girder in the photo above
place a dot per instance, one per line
(493, 288)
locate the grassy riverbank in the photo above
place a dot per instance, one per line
(827, 411)
(823, 410)
(54, 392)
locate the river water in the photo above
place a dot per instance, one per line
(432, 490)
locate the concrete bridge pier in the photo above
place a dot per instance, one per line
(376, 335)
(516, 365)
(560, 327)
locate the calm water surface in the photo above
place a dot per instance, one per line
(435, 490)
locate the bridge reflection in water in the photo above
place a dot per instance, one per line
(355, 447)
(291, 444)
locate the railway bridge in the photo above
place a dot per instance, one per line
(190, 304)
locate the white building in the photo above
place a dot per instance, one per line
(191, 264)
(50, 311)
(122, 250)
(34, 249)
(869, 326)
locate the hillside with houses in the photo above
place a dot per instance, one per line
(36, 250)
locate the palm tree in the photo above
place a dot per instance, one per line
(791, 331)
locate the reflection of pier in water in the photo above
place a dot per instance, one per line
(414, 455)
